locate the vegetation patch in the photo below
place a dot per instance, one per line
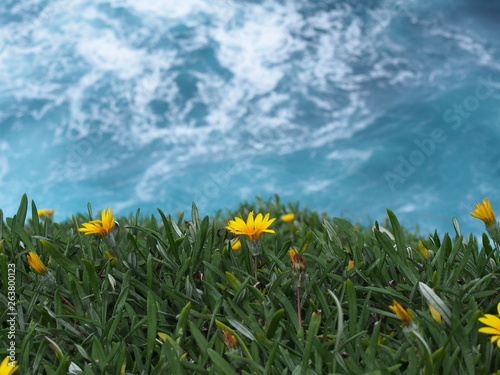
(267, 289)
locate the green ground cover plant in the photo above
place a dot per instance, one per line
(177, 294)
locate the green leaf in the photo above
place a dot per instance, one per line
(22, 210)
(59, 257)
(152, 319)
(307, 241)
(167, 224)
(98, 353)
(90, 277)
(221, 364)
(241, 328)
(195, 216)
(270, 361)
(55, 347)
(398, 235)
(332, 235)
(312, 332)
(180, 328)
(35, 220)
(233, 281)
(273, 324)
(345, 226)
(201, 341)
(119, 308)
(436, 302)
(340, 320)
(353, 306)
(172, 353)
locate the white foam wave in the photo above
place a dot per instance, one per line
(257, 50)
(350, 153)
(315, 185)
(108, 53)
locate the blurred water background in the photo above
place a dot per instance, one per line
(347, 107)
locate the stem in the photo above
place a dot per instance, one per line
(66, 301)
(110, 241)
(255, 267)
(299, 313)
(116, 253)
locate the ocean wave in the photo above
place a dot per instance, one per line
(141, 93)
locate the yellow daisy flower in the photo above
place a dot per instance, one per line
(484, 212)
(252, 229)
(102, 226)
(36, 264)
(494, 326)
(46, 212)
(8, 368)
(288, 217)
(401, 312)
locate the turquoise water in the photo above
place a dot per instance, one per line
(347, 107)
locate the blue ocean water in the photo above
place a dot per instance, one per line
(348, 107)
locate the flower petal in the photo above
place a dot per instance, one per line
(494, 338)
(252, 228)
(489, 330)
(490, 320)
(250, 220)
(258, 221)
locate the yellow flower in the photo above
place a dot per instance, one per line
(288, 217)
(112, 259)
(401, 312)
(494, 326)
(292, 253)
(351, 265)
(8, 368)
(46, 212)
(484, 212)
(423, 250)
(235, 245)
(36, 264)
(162, 336)
(435, 314)
(102, 226)
(298, 262)
(252, 229)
